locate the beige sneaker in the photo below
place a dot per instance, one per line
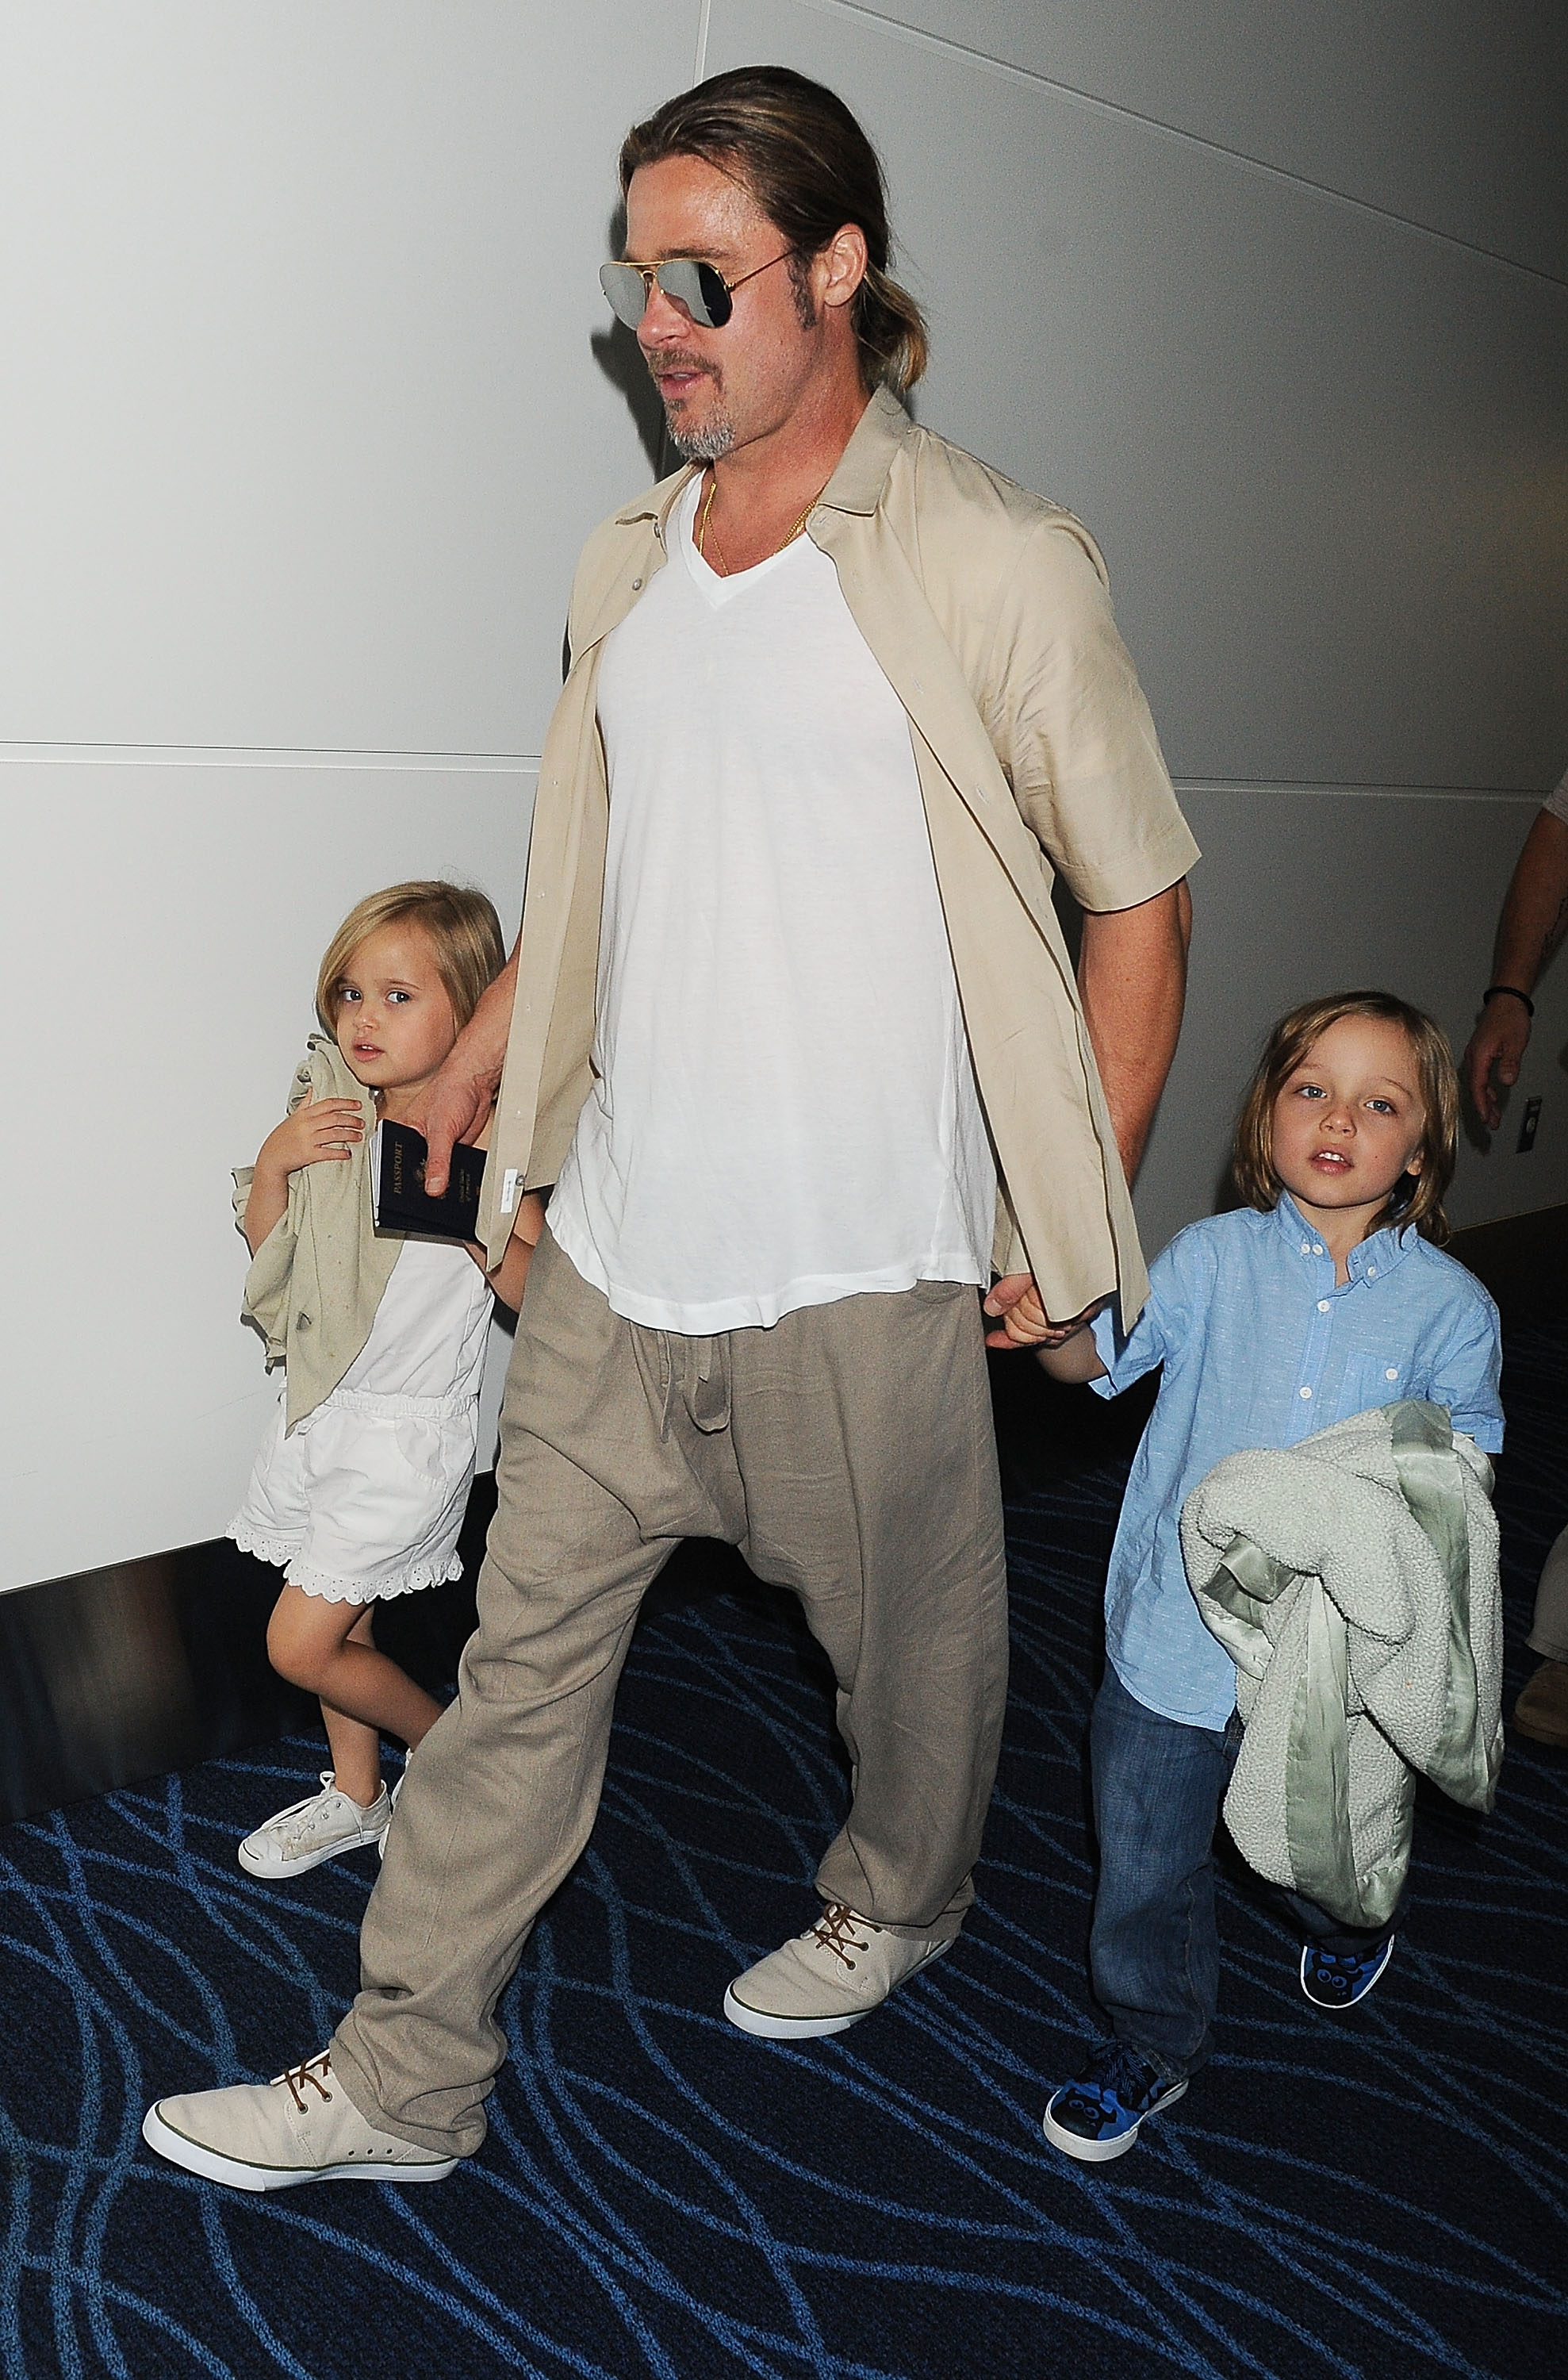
(1541, 1711)
(271, 2135)
(828, 1979)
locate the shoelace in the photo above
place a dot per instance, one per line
(310, 1816)
(835, 1931)
(313, 2071)
(1120, 2075)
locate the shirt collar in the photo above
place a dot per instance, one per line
(1369, 1262)
(856, 485)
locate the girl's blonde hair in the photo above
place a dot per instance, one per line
(1416, 1198)
(464, 934)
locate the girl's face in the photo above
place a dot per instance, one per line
(1347, 1123)
(395, 1019)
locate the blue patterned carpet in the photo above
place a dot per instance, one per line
(1381, 2195)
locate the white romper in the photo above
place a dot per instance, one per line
(367, 1497)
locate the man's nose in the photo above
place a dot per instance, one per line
(665, 321)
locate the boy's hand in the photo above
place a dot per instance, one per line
(1025, 1323)
(321, 1131)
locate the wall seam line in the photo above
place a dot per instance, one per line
(60, 751)
(1332, 789)
(1093, 100)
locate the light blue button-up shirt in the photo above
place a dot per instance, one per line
(1261, 1348)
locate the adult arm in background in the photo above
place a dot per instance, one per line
(1132, 981)
(460, 1097)
(1534, 920)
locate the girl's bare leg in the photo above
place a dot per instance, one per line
(355, 1748)
(328, 1650)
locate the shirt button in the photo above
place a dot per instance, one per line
(1371, 1272)
(1322, 1305)
(1306, 1248)
(635, 584)
(1391, 1374)
(1305, 1392)
(1316, 1249)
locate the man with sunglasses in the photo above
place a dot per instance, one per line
(792, 1030)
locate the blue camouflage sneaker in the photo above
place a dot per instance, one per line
(1097, 2117)
(1331, 1981)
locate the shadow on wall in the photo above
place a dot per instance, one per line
(617, 356)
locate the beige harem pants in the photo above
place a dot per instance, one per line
(848, 1453)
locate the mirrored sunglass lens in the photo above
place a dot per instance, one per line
(697, 287)
(626, 290)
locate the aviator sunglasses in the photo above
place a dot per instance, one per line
(701, 289)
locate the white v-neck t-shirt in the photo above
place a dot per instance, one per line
(784, 1109)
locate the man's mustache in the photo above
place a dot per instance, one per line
(675, 359)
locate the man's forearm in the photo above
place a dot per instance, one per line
(1534, 914)
(481, 1048)
(1132, 980)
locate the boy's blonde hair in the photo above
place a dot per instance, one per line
(1416, 1198)
(464, 934)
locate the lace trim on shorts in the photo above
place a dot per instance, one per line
(330, 1587)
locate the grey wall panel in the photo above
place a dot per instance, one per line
(1441, 110)
(1327, 457)
(1303, 892)
(163, 925)
(300, 413)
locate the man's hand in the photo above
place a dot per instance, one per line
(454, 1106)
(1025, 1323)
(1492, 1062)
(457, 1103)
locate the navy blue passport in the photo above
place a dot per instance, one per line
(398, 1193)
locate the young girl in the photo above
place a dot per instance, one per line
(1324, 1296)
(359, 1488)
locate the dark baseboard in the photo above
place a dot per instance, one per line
(123, 1673)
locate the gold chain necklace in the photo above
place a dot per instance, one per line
(699, 540)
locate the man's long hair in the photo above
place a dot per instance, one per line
(796, 148)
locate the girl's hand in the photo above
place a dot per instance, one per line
(321, 1131)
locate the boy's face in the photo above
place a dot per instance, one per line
(1350, 1122)
(395, 1019)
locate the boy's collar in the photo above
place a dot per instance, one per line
(1369, 1259)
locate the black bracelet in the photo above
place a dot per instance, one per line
(1514, 994)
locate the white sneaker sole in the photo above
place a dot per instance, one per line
(212, 2165)
(768, 2027)
(258, 1863)
(1073, 2144)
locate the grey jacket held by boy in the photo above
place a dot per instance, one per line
(1353, 1580)
(316, 1279)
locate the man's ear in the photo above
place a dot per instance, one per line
(842, 265)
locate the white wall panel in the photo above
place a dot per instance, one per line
(1305, 893)
(1327, 456)
(301, 419)
(1444, 111)
(164, 925)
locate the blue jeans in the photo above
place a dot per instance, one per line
(1155, 1946)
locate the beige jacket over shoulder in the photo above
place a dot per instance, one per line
(988, 612)
(318, 1277)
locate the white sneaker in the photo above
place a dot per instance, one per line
(315, 1830)
(828, 1979)
(271, 2135)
